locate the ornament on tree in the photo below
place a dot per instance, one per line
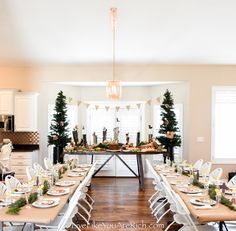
(170, 135)
(166, 122)
(62, 123)
(55, 137)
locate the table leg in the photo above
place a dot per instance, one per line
(103, 165)
(32, 227)
(92, 159)
(131, 170)
(221, 225)
(1, 226)
(141, 173)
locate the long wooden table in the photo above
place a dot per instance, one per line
(118, 154)
(219, 213)
(37, 215)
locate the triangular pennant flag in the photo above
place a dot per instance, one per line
(128, 107)
(96, 107)
(149, 102)
(117, 108)
(158, 99)
(138, 105)
(107, 108)
(69, 99)
(86, 105)
(78, 102)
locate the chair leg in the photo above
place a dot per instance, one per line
(163, 215)
(90, 198)
(85, 210)
(167, 228)
(155, 214)
(155, 201)
(158, 206)
(90, 206)
(76, 226)
(83, 217)
(153, 195)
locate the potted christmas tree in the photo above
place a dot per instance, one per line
(58, 135)
(169, 125)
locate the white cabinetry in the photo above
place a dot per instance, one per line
(20, 160)
(6, 102)
(26, 105)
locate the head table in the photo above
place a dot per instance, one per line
(41, 215)
(118, 154)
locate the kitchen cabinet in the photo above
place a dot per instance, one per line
(20, 160)
(26, 105)
(7, 102)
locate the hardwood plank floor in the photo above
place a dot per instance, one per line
(119, 205)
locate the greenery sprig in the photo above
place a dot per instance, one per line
(45, 187)
(197, 183)
(15, 207)
(185, 173)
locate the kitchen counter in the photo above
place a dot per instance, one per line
(25, 147)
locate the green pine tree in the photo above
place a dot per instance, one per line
(169, 122)
(58, 134)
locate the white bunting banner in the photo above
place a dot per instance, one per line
(69, 100)
(158, 99)
(86, 105)
(117, 108)
(107, 108)
(96, 107)
(138, 105)
(128, 107)
(78, 102)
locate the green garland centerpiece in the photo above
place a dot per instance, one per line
(45, 187)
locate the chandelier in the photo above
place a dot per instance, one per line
(113, 88)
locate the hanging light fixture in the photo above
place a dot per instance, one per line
(113, 88)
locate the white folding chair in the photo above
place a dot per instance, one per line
(38, 168)
(3, 189)
(30, 172)
(198, 164)
(205, 169)
(157, 200)
(232, 182)
(215, 175)
(11, 183)
(47, 163)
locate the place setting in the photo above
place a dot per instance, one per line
(75, 174)
(54, 191)
(65, 183)
(46, 202)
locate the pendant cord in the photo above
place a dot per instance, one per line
(113, 18)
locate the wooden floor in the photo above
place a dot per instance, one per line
(119, 205)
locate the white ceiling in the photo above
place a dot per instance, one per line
(149, 31)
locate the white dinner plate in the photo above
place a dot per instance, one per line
(202, 202)
(45, 203)
(75, 174)
(58, 192)
(190, 191)
(79, 170)
(21, 190)
(65, 183)
(84, 165)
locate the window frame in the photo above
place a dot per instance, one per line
(213, 159)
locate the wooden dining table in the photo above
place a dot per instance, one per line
(218, 213)
(44, 216)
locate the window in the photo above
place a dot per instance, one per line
(128, 121)
(178, 109)
(223, 124)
